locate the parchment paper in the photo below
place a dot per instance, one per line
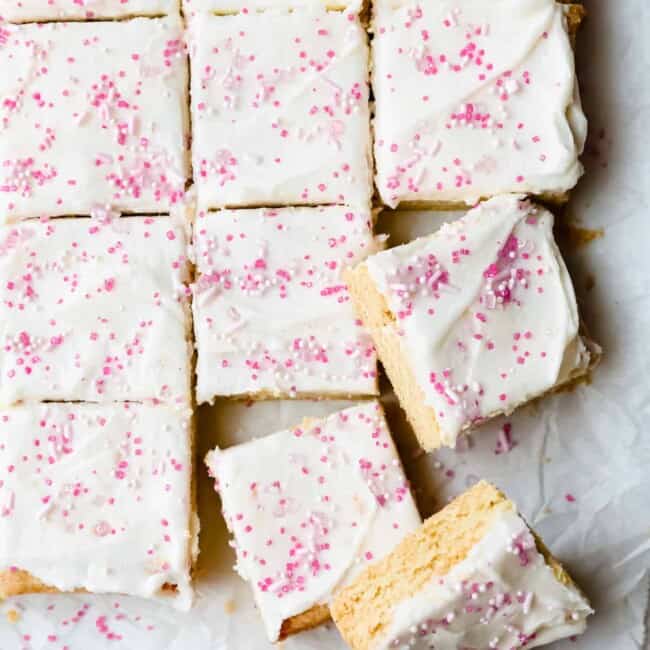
(579, 467)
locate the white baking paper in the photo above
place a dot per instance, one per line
(580, 465)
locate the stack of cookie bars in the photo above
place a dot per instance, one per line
(187, 210)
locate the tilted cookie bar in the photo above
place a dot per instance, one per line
(473, 576)
(474, 320)
(309, 507)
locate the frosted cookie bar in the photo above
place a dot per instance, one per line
(492, 95)
(191, 7)
(92, 114)
(309, 507)
(272, 314)
(474, 320)
(22, 11)
(473, 576)
(280, 125)
(94, 310)
(98, 498)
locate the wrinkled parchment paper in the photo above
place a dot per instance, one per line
(579, 466)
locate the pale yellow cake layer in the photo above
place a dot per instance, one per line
(377, 317)
(313, 617)
(363, 610)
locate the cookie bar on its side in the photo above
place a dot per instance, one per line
(97, 497)
(94, 310)
(29, 11)
(272, 314)
(285, 125)
(93, 113)
(309, 508)
(474, 320)
(473, 576)
(492, 96)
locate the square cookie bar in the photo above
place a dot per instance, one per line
(23, 11)
(94, 311)
(272, 315)
(282, 125)
(92, 114)
(193, 7)
(474, 320)
(309, 507)
(473, 576)
(492, 96)
(97, 497)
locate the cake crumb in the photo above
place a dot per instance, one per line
(229, 607)
(13, 616)
(574, 237)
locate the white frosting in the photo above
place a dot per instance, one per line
(33, 10)
(502, 596)
(97, 497)
(492, 98)
(280, 125)
(92, 113)
(271, 311)
(309, 508)
(231, 6)
(485, 310)
(94, 310)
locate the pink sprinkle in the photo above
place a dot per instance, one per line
(505, 443)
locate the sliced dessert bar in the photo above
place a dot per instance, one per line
(222, 7)
(309, 508)
(280, 125)
(474, 320)
(24, 11)
(272, 314)
(492, 96)
(92, 114)
(97, 498)
(473, 576)
(94, 310)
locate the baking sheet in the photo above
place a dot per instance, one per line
(577, 463)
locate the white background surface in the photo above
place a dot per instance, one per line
(592, 443)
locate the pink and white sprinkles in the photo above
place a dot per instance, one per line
(292, 121)
(84, 122)
(75, 325)
(472, 77)
(287, 522)
(302, 335)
